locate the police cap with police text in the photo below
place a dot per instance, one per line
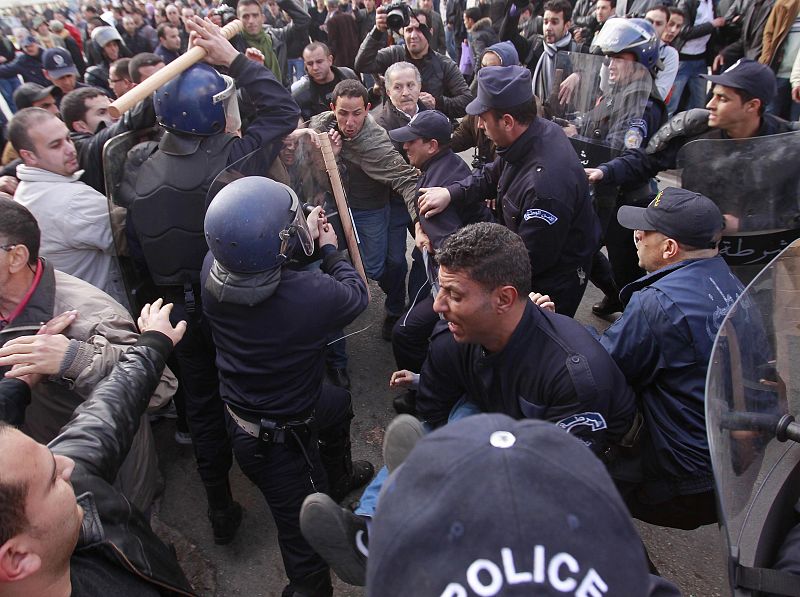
(501, 87)
(685, 216)
(750, 76)
(427, 124)
(489, 505)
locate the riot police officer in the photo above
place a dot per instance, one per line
(199, 114)
(622, 119)
(290, 433)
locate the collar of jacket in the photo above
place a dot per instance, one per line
(33, 174)
(653, 277)
(519, 341)
(39, 309)
(523, 146)
(439, 156)
(241, 289)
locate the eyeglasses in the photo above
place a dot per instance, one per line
(8, 247)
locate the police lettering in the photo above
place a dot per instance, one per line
(486, 578)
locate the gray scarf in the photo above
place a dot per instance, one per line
(545, 68)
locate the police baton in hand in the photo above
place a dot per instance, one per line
(146, 88)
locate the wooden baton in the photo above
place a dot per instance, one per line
(144, 89)
(341, 205)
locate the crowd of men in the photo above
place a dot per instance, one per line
(143, 283)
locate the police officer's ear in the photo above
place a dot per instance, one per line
(670, 249)
(504, 298)
(753, 106)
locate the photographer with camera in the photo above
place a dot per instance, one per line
(443, 86)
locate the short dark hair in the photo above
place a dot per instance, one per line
(473, 13)
(247, 3)
(121, 67)
(140, 60)
(20, 125)
(350, 88)
(661, 8)
(318, 45)
(490, 254)
(522, 113)
(613, 3)
(745, 97)
(73, 105)
(162, 29)
(13, 520)
(562, 6)
(674, 10)
(19, 227)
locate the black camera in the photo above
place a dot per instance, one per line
(398, 15)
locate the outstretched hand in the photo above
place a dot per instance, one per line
(155, 317)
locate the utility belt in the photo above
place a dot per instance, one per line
(296, 433)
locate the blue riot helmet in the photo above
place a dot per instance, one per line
(636, 36)
(253, 225)
(198, 102)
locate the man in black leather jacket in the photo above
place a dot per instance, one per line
(54, 543)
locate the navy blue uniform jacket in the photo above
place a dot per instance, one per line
(663, 344)
(271, 356)
(545, 199)
(551, 369)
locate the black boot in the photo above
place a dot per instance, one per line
(317, 584)
(344, 475)
(224, 514)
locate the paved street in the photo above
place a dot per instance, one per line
(251, 565)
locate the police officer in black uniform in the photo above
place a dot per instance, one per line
(290, 433)
(539, 184)
(198, 112)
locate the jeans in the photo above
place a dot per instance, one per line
(372, 226)
(396, 264)
(689, 72)
(296, 69)
(369, 499)
(783, 105)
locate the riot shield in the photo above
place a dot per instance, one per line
(302, 165)
(604, 114)
(752, 393)
(755, 184)
(116, 167)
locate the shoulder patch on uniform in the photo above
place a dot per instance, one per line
(637, 131)
(541, 215)
(593, 420)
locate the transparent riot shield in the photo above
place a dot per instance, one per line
(752, 397)
(302, 165)
(755, 184)
(118, 169)
(604, 112)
